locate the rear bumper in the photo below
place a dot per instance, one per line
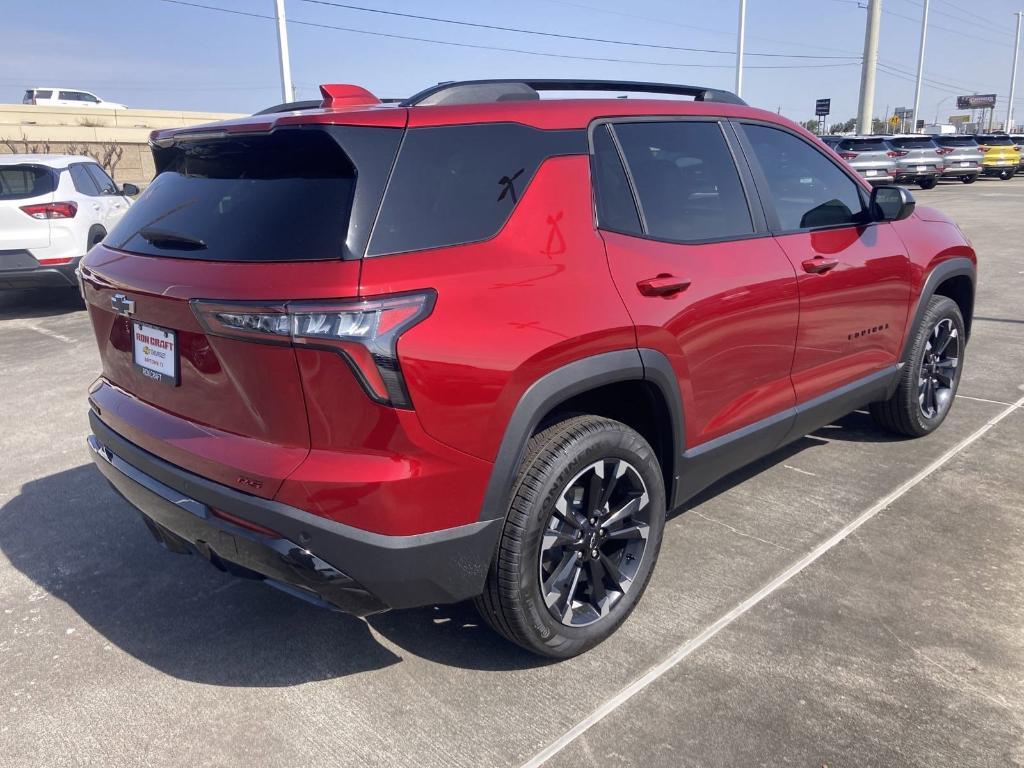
(319, 560)
(909, 175)
(56, 276)
(955, 173)
(879, 177)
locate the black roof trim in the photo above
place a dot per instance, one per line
(484, 91)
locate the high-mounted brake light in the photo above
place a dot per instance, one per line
(51, 210)
(365, 333)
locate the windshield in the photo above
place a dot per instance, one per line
(864, 145)
(995, 141)
(285, 196)
(957, 141)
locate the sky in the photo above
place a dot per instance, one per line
(162, 55)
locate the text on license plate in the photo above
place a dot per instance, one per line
(965, 165)
(155, 352)
(871, 173)
(922, 167)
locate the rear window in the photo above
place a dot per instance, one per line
(956, 141)
(864, 145)
(914, 143)
(995, 141)
(286, 196)
(459, 184)
(18, 182)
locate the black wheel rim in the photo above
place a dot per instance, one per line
(594, 542)
(940, 367)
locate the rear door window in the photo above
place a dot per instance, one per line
(686, 179)
(44, 94)
(284, 196)
(616, 208)
(459, 184)
(19, 182)
(805, 187)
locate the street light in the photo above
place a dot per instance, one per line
(938, 106)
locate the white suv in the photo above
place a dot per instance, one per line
(66, 97)
(53, 208)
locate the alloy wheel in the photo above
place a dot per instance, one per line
(939, 369)
(594, 542)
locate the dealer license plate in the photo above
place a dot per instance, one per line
(922, 167)
(965, 165)
(155, 353)
(871, 173)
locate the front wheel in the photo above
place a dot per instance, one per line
(931, 373)
(581, 538)
(928, 183)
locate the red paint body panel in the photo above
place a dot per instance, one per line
(851, 317)
(729, 336)
(509, 310)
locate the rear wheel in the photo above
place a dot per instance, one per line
(1006, 175)
(96, 235)
(583, 532)
(968, 179)
(931, 373)
(928, 183)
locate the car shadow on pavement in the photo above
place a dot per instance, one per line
(74, 537)
(39, 303)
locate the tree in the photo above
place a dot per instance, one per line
(107, 154)
(845, 127)
(879, 126)
(811, 125)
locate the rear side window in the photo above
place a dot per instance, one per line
(285, 196)
(616, 209)
(807, 189)
(70, 96)
(686, 179)
(44, 94)
(82, 180)
(459, 184)
(18, 182)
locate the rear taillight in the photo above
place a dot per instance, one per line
(51, 210)
(897, 153)
(1016, 148)
(982, 148)
(847, 155)
(943, 150)
(365, 333)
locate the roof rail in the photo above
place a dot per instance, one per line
(482, 91)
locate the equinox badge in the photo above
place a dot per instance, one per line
(122, 304)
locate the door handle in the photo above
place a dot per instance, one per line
(819, 264)
(663, 285)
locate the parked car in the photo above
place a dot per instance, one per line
(66, 97)
(1001, 157)
(917, 160)
(831, 140)
(961, 155)
(390, 356)
(53, 209)
(1018, 140)
(869, 156)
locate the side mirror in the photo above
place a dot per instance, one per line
(129, 190)
(891, 203)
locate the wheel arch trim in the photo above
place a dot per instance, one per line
(955, 267)
(565, 382)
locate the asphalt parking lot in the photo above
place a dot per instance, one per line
(851, 600)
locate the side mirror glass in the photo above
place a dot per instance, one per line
(891, 203)
(129, 190)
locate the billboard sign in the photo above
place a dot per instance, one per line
(822, 107)
(976, 101)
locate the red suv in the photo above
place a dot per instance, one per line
(477, 344)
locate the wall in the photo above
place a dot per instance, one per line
(84, 130)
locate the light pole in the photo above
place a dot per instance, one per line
(1013, 77)
(739, 47)
(866, 106)
(287, 94)
(920, 66)
(937, 106)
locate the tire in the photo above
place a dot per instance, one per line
(96, 235)
(542, 564)
(912, 411)
(929, 183)
(1006, 175)
(968, 179)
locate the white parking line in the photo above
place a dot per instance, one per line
(728, 618)
(981, 400)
